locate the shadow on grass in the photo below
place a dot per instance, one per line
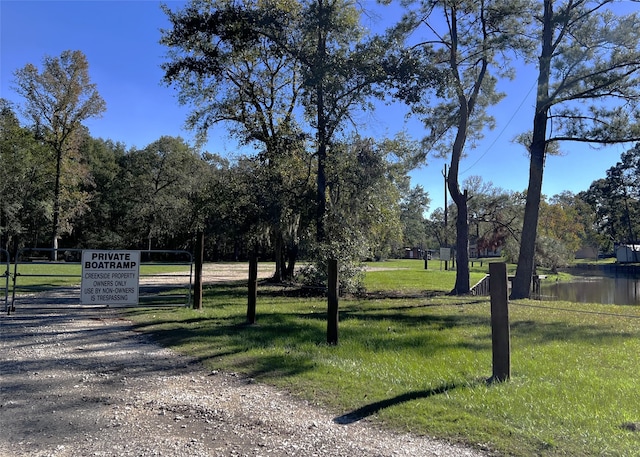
(212, 340)
(563, 331)
(270, 366)
(372, 408)
(231, 289)
(374, 326)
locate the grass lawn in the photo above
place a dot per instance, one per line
(414, 359)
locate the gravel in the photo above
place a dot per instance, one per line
(81, 382)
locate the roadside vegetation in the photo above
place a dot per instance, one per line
(414, 359)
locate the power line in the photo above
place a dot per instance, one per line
(501, 131)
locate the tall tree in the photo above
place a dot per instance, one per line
(363, 209)
(320, 39)
(339, 67)
(588, 90)
(224, 64)
(58, 99)
(468, 43)
(336, 83)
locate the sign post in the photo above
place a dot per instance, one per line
(110, 277)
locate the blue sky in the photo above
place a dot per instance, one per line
(120, 39)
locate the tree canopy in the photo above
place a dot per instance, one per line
(57, 100)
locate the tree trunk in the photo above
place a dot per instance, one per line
(462, 285)
(56, 207)
(279, 258)
(521, 287)
(321, 195)
(321, 118)
(293, 257)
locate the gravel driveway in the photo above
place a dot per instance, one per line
(81, 382)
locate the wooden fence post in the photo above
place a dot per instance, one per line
(332, 306)
(252, 289)
(197, 286)
(500, 333)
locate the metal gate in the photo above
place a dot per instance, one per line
(5, 269)
(166, 278)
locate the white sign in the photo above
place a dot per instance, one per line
(110, 277)
(445, 254)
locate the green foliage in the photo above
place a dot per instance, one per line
(363, 217)
(102, 226)
(552, 253)
(561, 232)
(613, 201)
(413, 205)
(363, 197)
(160, 180)
(350, 268)
(25, 183)
(230, 74)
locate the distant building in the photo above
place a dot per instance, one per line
(587, 252)
(628, 253)
(413, 253)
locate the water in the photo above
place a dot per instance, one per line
(619, 290)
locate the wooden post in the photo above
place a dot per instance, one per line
(253, 289)
(332, 298)
(446, 212)
(500, 336)
(197, 286)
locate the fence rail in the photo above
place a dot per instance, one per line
(483, 287)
